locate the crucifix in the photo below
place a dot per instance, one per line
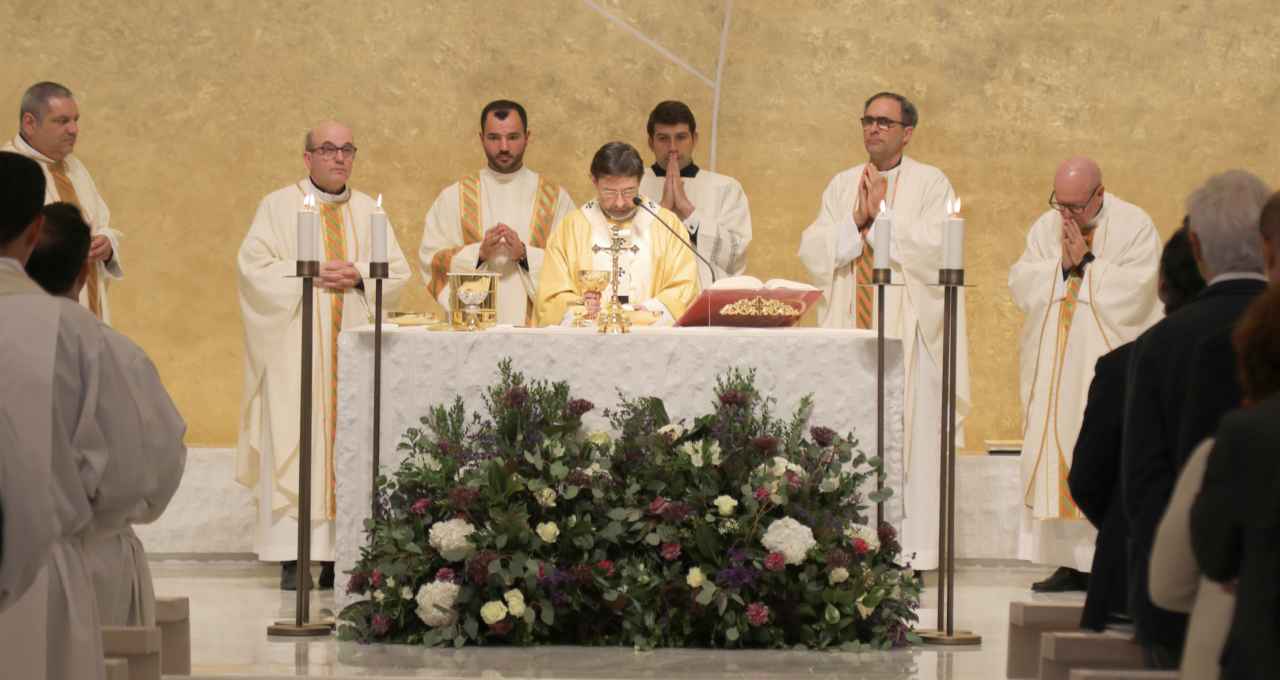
(616, 249)
(611, 318)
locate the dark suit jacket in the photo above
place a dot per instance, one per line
(1095, 485)
(1235, 532)
(1158, 384)
(1214, 390)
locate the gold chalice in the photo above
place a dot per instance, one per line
(591, 281)
(472, 293)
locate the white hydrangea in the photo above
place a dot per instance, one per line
(600, 438)
(779, 469)
(790, 538)
(441, 593)
(493, 611)
(864, 532)
(546, 497)
(451, 535)
(515, 602)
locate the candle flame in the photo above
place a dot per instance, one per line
(882, 206)
(379, 201)
(957, 210)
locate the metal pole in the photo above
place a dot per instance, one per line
(952, 293)
(377, 394)
(880, 403)
(304, 468)
(942, 470)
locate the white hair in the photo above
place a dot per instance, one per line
(1224, 217)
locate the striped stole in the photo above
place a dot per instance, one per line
(335, 249)
(67, 194)
(1067, 504)
(865, 305)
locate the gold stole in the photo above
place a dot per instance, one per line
(67, 194)
(863, 268)
(544, 211)
(335, 249)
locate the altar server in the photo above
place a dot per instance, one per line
(836, 250)
(116, 558)
(73, 408)
(50, 126)
(1087, 282)
(270, 302)
(660, 277)
(712, 207)
(496, 219)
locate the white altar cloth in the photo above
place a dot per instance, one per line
(421, 369)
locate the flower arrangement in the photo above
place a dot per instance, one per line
(739, 530)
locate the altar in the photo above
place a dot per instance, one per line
(421, 369)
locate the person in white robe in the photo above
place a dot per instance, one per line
(658, 276)
(50, 125)
(271, 306)
(836, 251)
(496, 220)
(1087, 282)
(72, 405)
(27, 529)
(712, 206)
(117, 561)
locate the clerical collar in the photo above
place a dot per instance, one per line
(690, 170)
(504, 177)
(895, 166)
(325, 197)
(26, 147)
(1102, 213)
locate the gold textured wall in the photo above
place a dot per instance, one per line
(191, 112)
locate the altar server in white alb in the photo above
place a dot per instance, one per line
(1088, 284)
(712, 207)
(117, 560)
(271, 304)
(836, 250)
(76, 418)
(50, 126)
(495, 220)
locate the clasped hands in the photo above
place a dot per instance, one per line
(673, 196)
(1074, 247)
(870, 196)
(338, 274)
(500, 236)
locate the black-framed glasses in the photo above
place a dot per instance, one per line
(330, 152)
(880, 122)
(1073, 209)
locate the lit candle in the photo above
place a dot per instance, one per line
(953, 238)
(884, 227)
(307, 230)
(379, 233)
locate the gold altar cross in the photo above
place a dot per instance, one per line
(616, 249)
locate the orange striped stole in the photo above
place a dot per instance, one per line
(864, 304)
(335, 249)
(544, 211)
(1065, 315)
(469, 209)
(67, 194)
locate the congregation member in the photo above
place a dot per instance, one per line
(76, 415)
(836, 250)
(496, 219)
(1095, 466)
(1087, 283)
(660, 277)
(50, 126)
(1223, 218)
(712, 207)
(271, 306)
(116, 558)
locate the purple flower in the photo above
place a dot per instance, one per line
(503, 627)
(515, 397)
(357, 582)
(734, 397)
(737, 556)
(674, 512)
(578, 407)
(765, 443)
(757, 614)
(822, 436)
(463, 497)
(380, 623)
(888, 537)
(445, 574)
(839, 558)
(793, 480)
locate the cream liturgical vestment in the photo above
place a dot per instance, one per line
(1071, 321)
(720, 223)
(78, 420)
(832, 250)
(271, 304)
(661, 276)
(458, 220)
(68, 181)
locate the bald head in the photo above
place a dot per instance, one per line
(1078, 183)
(330, 174)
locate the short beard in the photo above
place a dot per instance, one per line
(516, 161)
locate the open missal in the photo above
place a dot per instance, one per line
(748, 302)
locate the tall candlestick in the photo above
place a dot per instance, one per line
(379, 233)
(884, 227)
(307, 231)
(953, 243)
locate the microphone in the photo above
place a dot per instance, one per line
(640, 203)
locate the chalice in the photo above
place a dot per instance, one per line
(472, 294)
(591, 281)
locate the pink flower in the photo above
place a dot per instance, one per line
(670, 551)
(658, 505)
(375, 580)
(542, 572)
(861, 546)
(762, 494)
(420, 507)
(606, 564)
(776, 561)
(445, 574)
(503, 627)
(380, 623)
(757, 614)
(793, 480)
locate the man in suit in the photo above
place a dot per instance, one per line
(1095, 475)
(1224, 236)
(1235, 522)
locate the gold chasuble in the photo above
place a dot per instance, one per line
(663, 272)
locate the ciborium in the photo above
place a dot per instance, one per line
(591, 281)
(474, 304)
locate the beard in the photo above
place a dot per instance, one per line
(507, 162)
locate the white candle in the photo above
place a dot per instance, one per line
(379, 233)
(884, 227)
(306, 231)
(953, 244)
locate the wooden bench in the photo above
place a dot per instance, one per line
(139, 646)
(117, 669)
(1062, 651)
(173, 617)
(1027, 620)
(1106, 674)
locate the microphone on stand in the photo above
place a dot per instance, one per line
(640, 203)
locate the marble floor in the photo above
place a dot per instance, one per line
(232, 603)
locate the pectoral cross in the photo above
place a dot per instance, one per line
(616, 249)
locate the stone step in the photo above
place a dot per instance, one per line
(1109, 674)
(139, 646)
(117, 669)
(1064, 651)
(173, 616)
(1027, 620)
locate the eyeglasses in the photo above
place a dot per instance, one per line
(611, 195)
(881, 122)
(330, 151)
(1073, 209)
